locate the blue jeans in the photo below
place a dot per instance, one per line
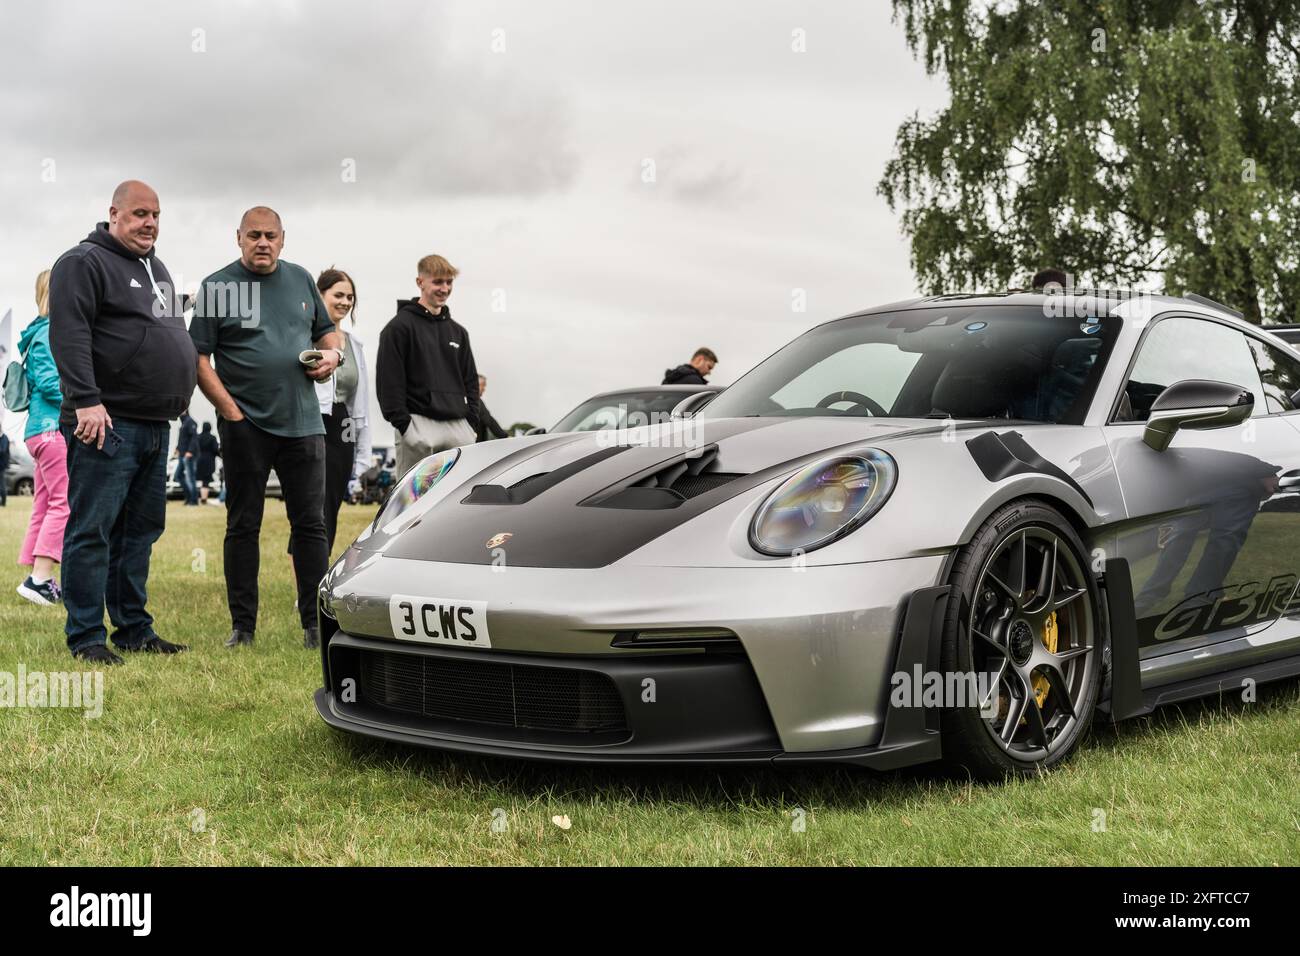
(189, 483)
(117, 510)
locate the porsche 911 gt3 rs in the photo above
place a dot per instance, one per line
(955, 528)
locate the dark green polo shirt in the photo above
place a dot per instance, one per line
(254, 326)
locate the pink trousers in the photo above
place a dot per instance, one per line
(50, 507)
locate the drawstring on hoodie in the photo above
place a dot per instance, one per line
(162, 299)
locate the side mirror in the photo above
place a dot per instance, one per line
(1196, 404)
(536, 430)
(691, 404)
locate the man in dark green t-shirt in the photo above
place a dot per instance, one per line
(255, 317)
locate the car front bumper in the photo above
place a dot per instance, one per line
(806, 678)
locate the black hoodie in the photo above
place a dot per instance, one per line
(117, 333)
(425, 366)
(684, 375)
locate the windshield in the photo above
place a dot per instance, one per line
(965, 362)
(624, 410)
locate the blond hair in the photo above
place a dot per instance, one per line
(43, 293)
(436, 267)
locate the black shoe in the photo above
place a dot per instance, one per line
(311, 637)
(156, 645)
(98, 654)
(238, 637)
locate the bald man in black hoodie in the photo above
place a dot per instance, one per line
(126, 368)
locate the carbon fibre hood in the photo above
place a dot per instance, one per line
(586, 501)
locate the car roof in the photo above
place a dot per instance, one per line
(1131, 306)
(665, 389)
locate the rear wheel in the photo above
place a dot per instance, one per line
(1027, 621)
(24, 487)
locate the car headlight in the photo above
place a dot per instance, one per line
(415, 483)
(823, 502)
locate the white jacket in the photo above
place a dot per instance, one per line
(358, 411)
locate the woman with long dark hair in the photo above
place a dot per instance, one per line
(344, 402)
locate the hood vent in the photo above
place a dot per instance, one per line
(668, 485)
(529, 488)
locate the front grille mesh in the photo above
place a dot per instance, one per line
(492, 692)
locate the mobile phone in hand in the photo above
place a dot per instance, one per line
(112, 442)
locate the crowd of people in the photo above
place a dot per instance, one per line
(110, 362)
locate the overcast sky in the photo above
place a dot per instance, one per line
(514, 138)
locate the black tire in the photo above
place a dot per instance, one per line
(24, 488)
(1043, 730)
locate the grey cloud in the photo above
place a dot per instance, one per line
(281, 97)
(721, 185)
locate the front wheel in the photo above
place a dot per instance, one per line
(1026, 625)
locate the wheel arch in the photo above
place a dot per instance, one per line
(1072, 506)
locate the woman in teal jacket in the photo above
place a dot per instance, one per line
(43, 546)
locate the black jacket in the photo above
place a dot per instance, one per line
(188, 439)
(487, 425)
(425, 366)
(117, 333)
(209, 449)
(684, 375)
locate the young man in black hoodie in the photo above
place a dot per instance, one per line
(425, 374)
(126, 369)
(701, 364)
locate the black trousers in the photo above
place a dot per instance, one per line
(340, 452)
(249, 454)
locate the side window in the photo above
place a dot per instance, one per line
(1179, 348)
(1280, 374)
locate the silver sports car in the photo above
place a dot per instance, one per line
(955, 528)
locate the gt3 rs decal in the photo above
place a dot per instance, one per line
(1240, 605)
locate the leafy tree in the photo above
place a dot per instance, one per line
(1135, 143)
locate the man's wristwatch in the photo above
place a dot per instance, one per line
(343, 359)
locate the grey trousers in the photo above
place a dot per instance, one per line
(427, 436)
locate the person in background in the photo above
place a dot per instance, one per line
(1047, 277)
(488, 428)
(126, 369)
(209, 450)
(425, 375)
(700, 365)
(42, 546)
(255, 317)
(187, 450)
(344, 402)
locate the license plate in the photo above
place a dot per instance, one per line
(439, 621)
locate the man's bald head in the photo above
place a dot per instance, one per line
(260, 212)
(133, 216)
(130, 189)
(260, 238)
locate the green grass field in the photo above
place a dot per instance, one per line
(218, 757)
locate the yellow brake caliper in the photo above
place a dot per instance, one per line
(1050, 638)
